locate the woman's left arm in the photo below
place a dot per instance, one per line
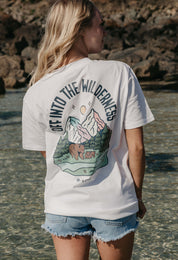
(136, 154)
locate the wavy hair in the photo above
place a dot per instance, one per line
(64, 23)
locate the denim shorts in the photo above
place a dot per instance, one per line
(99, 229)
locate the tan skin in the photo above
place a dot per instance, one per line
(77, 248)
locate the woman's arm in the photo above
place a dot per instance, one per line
(43, 153)
(136, 162)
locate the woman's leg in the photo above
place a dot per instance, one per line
(120, 249)
(72, 248)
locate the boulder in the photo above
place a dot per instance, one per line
(29, 53)
(113, 42)
(10, 71)
(26, 35)
(131, 55)
(144, 14)
(165, 44)
(114, 20)
(29, 56)
(99, 56)
(142, 33)
(158, 27)
(148, 69)
(10, 82)
(170, 67)
(4, 66)
(29, 66)
(9, 24)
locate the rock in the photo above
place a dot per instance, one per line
(4, 66)
(99, 56)
(10, 71)
(142, 33)
(169, 77)
(20, 45)
(166, 44)
(115, 20)
(144, 14)
(131, 55)
(27, 35)
(157, 27)
(29, 66)
(170, 67)
(3, 32)
(22, 81)
(25, 11)
(171, 12)
(29, 53)
(9, 24)
(112, 42)
(131, 14)
(131, 26)
(2, 87)
(147, 69)
(165, 20)
(10, 82)
(105, 53)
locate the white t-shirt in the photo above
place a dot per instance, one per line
(78, 114)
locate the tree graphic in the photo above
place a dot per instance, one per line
(86, 164)
(62, 149)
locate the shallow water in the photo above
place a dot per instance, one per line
(22, 185)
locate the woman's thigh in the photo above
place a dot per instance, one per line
(120, 249)
(115, 237)
(72, 248)
(71, 236)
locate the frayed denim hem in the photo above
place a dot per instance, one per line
(95, 237)
(73, 234)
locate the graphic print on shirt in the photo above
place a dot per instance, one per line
(83, 149)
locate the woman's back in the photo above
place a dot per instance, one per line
(81, 111)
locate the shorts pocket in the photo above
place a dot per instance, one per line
(113, 223)
(119, 222)
(55, 219)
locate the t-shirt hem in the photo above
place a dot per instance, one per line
(37, 148)
(115, 213)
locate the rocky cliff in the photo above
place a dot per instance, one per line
(142, 33)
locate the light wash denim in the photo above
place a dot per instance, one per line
(99, 229)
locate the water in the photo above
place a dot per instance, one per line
(22, 186)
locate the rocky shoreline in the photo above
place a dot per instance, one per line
(141, 33)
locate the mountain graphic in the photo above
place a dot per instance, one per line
(84, 147)
(79, 133)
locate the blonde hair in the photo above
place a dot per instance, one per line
(64, 23)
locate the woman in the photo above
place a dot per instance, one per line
(86, 118)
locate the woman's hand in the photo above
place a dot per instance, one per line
(142, 209)
(44, 154)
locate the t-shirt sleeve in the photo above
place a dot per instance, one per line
(33, 130)
(137, 111)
